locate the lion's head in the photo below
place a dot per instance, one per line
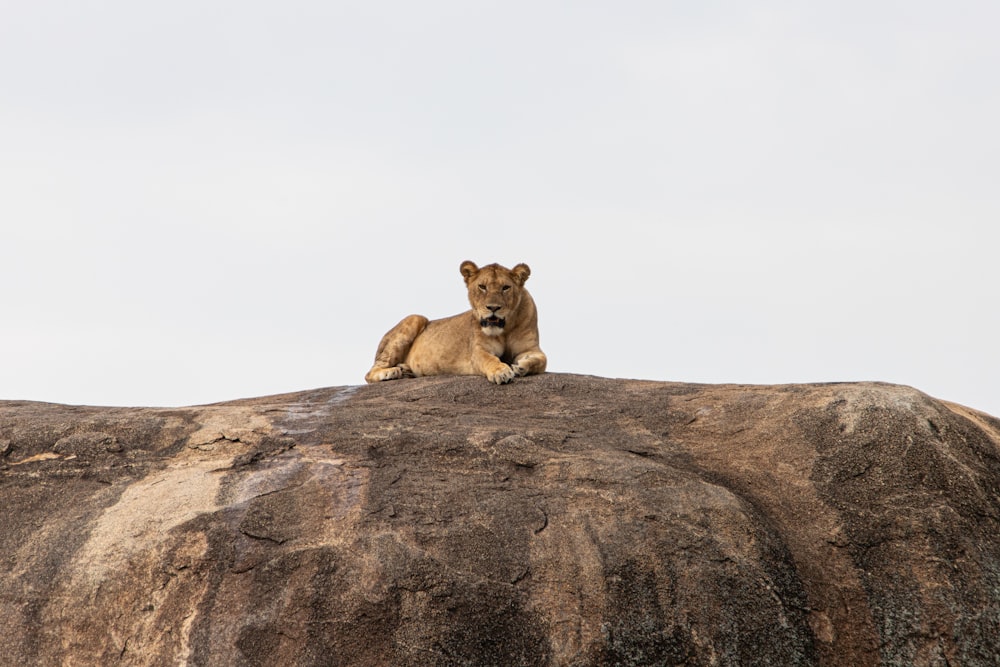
(495, 293)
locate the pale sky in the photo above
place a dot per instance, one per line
(211, 200)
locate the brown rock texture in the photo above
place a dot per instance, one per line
(558, 520)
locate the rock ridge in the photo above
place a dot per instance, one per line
(558, 520)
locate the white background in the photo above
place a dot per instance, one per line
(207, 200)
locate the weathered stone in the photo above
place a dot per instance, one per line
(558, 520)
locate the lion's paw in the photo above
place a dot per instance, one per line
(502, 376)
(392, 373)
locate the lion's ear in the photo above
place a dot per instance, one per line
(469, 270)
(521, 272)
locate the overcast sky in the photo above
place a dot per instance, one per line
(208, 200)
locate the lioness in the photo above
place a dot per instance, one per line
(498, 338)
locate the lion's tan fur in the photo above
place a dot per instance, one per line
(469, 343)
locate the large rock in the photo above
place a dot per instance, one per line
(558, 520)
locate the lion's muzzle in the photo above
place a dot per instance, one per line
(492, 321)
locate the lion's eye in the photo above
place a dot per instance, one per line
(482, 288)
(506, 288)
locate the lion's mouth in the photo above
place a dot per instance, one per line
(492, 321)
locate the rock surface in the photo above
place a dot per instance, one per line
(558, 520)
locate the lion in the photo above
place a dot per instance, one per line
(498, 338)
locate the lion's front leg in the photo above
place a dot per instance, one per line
(492, 367)
(532, 362)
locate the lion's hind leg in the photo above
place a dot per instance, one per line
(393, 348)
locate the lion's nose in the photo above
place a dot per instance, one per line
(493, 309)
